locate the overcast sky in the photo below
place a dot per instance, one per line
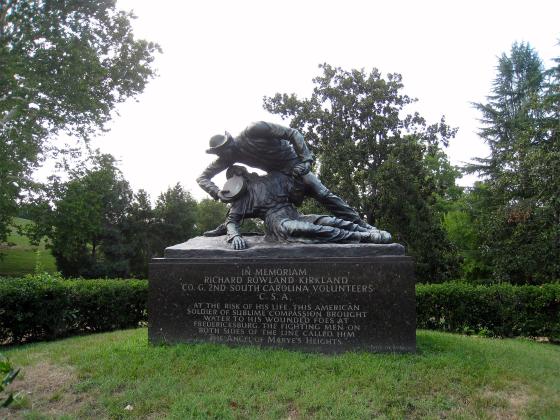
(221, 57)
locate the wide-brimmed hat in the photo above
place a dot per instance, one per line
(219, 142)
(234, 188)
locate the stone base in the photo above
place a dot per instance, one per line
(325, 298)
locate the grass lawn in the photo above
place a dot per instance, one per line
(20, 257)
(118, 375)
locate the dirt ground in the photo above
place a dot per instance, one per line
(45, 389)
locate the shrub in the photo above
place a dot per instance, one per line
(45, 307)
(500, 310)
(7, 374)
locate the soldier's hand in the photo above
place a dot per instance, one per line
(215, 195)
(301, 169)
(223, 199)
(238, 243)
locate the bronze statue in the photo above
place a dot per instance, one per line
(282, 153)
(268, 197)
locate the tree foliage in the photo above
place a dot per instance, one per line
(520, 230)
(462, 221)
(511, 118)
(97, 227)
(84, 220)
(210, 213)
(139, 232)
(64, 65)
(175, 218)
(388, 165)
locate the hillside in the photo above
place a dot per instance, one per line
(20, 257)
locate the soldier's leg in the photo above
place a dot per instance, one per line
(303, 231)
(220, 230)
(315, 188)
(339, 223)
(370, 235)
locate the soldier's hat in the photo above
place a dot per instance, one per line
(234, 188)
(236, 184)
(219, 142)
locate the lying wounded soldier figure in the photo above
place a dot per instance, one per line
(267, 197)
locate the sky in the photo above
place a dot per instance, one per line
(220, 58)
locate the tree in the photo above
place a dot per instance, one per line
(139, 233)
(520, 232)
(209, 214)
(463, 221)
(387, 165)
(64, 65)
(84, 220)
(511, 119)
(175, 218)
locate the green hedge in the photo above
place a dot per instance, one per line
(45, 307)
(500, 310)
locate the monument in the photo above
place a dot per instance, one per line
(327, 283)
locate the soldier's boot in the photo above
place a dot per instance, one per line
(365, 225)
(221, 230)
(380, 237)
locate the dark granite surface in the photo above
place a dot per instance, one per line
(357, 301)
(217, 247)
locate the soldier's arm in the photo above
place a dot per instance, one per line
(233, 221)
(273, 131)
(205, 179)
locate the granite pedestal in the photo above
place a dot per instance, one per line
(320, 297)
